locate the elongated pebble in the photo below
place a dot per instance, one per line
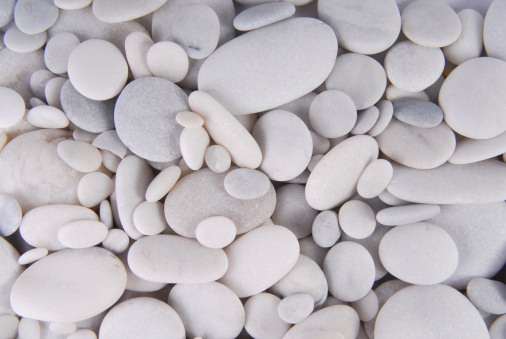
(216, 232)
(493, 30)
(243, 183)
(217, 158)
(189, 119)
(110, 141)
(193, 143)
(57, 51)
(407, 214)
(386, 111)
(487, 295)
(20, 42)
(162, 183)
(52, 91)
(417, 112)
(28, 329)
(113, 11)
(93, 188)
(168, 60)
(262, 319)
(110, 161)
(32, 255)
(44, 116)
(226, 131)
(10, 215)
(79, 155)
(498, 328)
(82, 234)
(470, 42)
(116, 241)
(474, 150)
(263, 15)
(332, 114)
(295, 308)
(357, 219)
(34, 16)
(326, 229)
(375, 178)
(366, 119)
(137, 45)
(149, 218)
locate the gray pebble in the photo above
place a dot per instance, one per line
(417, 112)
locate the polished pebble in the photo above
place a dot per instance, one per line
(386, 112)
(79, 155)
(32, 255)
(12, 107)
(244, 183)
(375, 178)
(45, 116)
(407, 214)
(116, 241)
(194, 143)
(163, 183)
(34, 16)
(81, 135)
(262, 319)
(470, 42)
(62, 327)
(295, 308)
(189, 119)
(417, 112)
(321, 145)
(20, 42)
(9, 325)
(149, 219)
(215, 232)
(367, 307)
(168, 60)
(110, 160)
(366, 119)
(326, 231)
(10, 215)
(93, 188)
(332, 114)
(493, 30)
(487, 295)
(217, 158)
(57, 51)
(82, 234)
(28, 329)
(38, 80)
(357, 219)
(263, 15)
(473, 150)
(52, 91)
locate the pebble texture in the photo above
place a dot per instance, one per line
(470, 42)
(332, 114)
(33, 16)
(244, 184)
(112, 11)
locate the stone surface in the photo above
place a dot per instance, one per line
(262, 319)
(326, 231)
(367, 307)
(357, 219)
(407, 214)
(263, 15)
(38, 81)
(10, 272)
(217, 158)
(295, 308)
(474, 150)
(386, 112)
(52, 91)
(45, 116)
(418, 112)
(28, 328)
(79, 155)
(110, 141)
(9, 325)
(57, 51)
(487, 295)
(375, 178)
(149, 218)
(394, 93)
(189, 119)
(33, 16)
(20, 42)
(163, 183)
(470, 42)
(493, 30)
(10, 215)
(215, 232)
(332, 114)
(116, 242)
(32, 255)
(112, 11)
(168, 60)
(82, 234)
(245, 184)
(498, 328)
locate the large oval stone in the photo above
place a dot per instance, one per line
(69, 285)
(257, 71)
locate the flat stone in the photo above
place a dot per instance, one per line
(33, 16)
(417, 147)
(194, 143)
(487, 295)
(263, 15)
(10, 272)
(22, 175)
(357, 219)
(368, 28)
(295, 308)
(470, 42)
(410, 313)
(57, 51)
(326, 231)
(417, 112)
(217, 158)
(407, 214)
(262, 319)
(215, 232)
(375, 178)
(474, 150)
(386, 112)
(79, 155)
(475, 86)
(334, 179)
(413, 67)
(282, 159)
(332, 114)
(493, 30)
(157, 57)
(137, 45)
(113, 11)
(201, 194)
(162, 183)
(20, 42)
(481, 182)
(10, 215)
(110, 141)
(40, 226)
(32, 255)
(116, 242)
(145, 118)
(149, 218)
(45, 116)
(251, 270)
(82, 234)
(367, 307)
(245, 183)
(366, 119)
(77, 276)
(227, 73)
(142, 317)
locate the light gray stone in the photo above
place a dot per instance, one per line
(493, 30)
(113, 11)
(34, 16)
(417, 112)
(263, 15)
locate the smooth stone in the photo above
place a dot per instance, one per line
(412, 67)
(110, 141)
(444, 28)
(28, 329)
(190, 262)
(227, 73)
(20, 42)
(154, 134)
(32, 255)
(411, 313)
(292, 210)
(7, 13)
(474, 150)
(262, 319)
(201, 194)
(366, 119)
(498, 329)
(82, 334)
(481, 182)
(142, 317)
(283, 160)
(295, 308)
(58, 50)
(62, 328)
(196, 28)
(10, 272)
(407, 214)
(476, 86)
(393, 93)
(350, 271)
(493, 30)
(321, 145)
(163, 183)
(132, 179)
(478, 231)
(332, 114)
(386, 112)
(194, 143)
(38, 81)
(10, 215)
(334, 179)
(81, 135)
(77, 276)
(470, 42)
(35, 16)
(79, 155)
(339, 318)
(227, 131)
(357, 219)
(97, 69)
(367, 307)
(263, 15)
(93, 188)
(359, 76)
(314, 160)
(259, 259)
(82, 234)
(217, 158)
(136, 283)
(418, 113)
(9, 325)
(367, 28)
(45, 116)
(326, 231)
(36, 102)
(487, 295)
(215, 232)
(189, 119)
(90, 115)
(208, 310)
(21, 175)
(305, 277)
(417, 147)
(300, 107)
(245, 184)
(41, 225)
(110, 161)
(375, 178)
(52, 91)
(419, 253)
(137, 45)
(116, 241)
(149, 219)
(113, 11)
(168, 60)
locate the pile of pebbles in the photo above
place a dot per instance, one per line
(235, 169)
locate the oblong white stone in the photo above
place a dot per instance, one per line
(32, 255)
(366, 119)
(295, 308)
(52, 91)
(137, 45)
(262, 15)
(193, 143)
(216, 232)
(93, 188)
(163, 183)
(407, 214)
(82, 234)
(470, 42)
(487, 295)
(334, 179)
(386, 112)
(113, 11)
(19, 42)
(357, 219)
(11, 270)
(45, 116)
(32, 16)
(79, 155)
(244, 183)
(10, 215)
(375, 178)
(262, 319)
(326, 231)
(57, 51)
(473, 150)
(189, 119)
(227, 73)
(105, 213)
(260, 258)
(77, 276)
(12, 107)
(190, 262)
(149, 218)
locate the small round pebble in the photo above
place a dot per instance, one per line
(163, 183)
(189, 119)
(487, 295)
(326, 231)
(52, 91)
(263, 15)
(93, 188)
(19, 42)
(82, 334)
(110, 141)
(32, 255)
(407, 214)
(149, 218)
(10, 215)
(168, 60)
(12, 107)
(9, 326)
(314, 160)
(57, 51)
(217, 158)
(45, 116)
(295, 308)
(493, 30)
(116, 241)
(245, 183)
(386, 111)
(62, 328)
(28, 329)
(332, 114)
(417, 112)
(262, 319)
(366, 120)
(375, 178)
(38, 81)
(216, 232)
(82, 234)
(35, 16)
(79, 155)
(367, 307)
(357, 219)
(97, 69)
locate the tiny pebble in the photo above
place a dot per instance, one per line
(357, 219)
(386, 112)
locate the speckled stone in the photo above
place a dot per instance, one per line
(417, 112)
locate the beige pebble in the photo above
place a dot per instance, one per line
(162, 183)
(45, 116)
(216, 232)
(189, 119)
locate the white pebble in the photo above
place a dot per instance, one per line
(137, 45)
(262, 319)
(263, 15)
(82, 334)
(295, 308)
(57, 51)
(82, 135)
(193, 143)
(314, 160)
(470, 42)
(9, 326)
(149, 218)
(244, 183)
(52, 91)
(189, 119)
(386, 111)
(110, 141)
(12, 107)
(375, 178)
(332, 114)
(116, 241)
(217, 158)
(367, 307)
(366, 120)
(216, 232)
(28, 329)
(32, 255)
(105, 213)
(168, 60)
(33, 16)
(10, 215)
(357, 219)
(393, 94)
(407, 214)
(320, 144)
(162, 183)
(93, 188)
(474, 150)
(326, 231)
(19, 42)
(45, 116)
(493, 30)
(82, 234)
(79, 155)
(36, 102)
(62, 328)
(487, 295)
